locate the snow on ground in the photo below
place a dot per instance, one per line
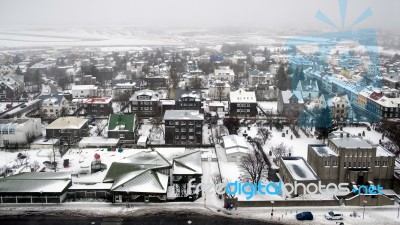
(210, 168)
(268, 107)
(299, 145)
(373, 136)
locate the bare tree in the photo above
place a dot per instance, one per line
(263, 133)
(99, 128)
(253, 167)
(196, 82)
(280, 151)
(157, 125)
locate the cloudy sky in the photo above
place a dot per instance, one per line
(195, 13)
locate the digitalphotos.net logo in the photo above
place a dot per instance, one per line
(280, 188)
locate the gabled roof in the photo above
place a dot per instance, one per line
(119, 122)
(235, 144)
(242, 96)
(46, 182)
(287, 95)
(142, 181)
(188, 164)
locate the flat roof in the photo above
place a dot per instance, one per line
(350, 142)
(183, 115)
(299, 169)
(69, 122)
(323, 150)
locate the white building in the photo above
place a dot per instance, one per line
(84, 91)
(235, 147)
(219, 90)
(224, 73)
(53, 106)
(19, 131)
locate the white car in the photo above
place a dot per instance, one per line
(334, 215)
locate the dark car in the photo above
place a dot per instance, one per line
(304, 216)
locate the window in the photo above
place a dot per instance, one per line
(384, 163)
(183, 137)
(334, 163)
(171, 123)
(344, 164)
(191, 137)
(364, 164)
(176, 123)
(183, 130)
(326, 163)
(354, 164)
(359, 164)
(369, 164)
(176, 136)
(183, 123)
(191, 130)
(176, 129)
(121, 135)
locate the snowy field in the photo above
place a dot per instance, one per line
(268, 107)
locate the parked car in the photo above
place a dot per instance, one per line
(304, 216)
(331, 215)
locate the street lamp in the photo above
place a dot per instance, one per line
(365, 202)
(272, 209)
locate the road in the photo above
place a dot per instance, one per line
(160, 218)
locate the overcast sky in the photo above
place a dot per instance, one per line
(195, 13)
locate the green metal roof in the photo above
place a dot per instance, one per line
(122, 122)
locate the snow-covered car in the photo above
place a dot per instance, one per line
(331, 215)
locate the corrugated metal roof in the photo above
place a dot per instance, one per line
(145, 181)
(33, 186)
(41, 176)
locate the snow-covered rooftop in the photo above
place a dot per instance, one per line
(69, 122)
(183, 115)
(242, 96)
(299, 169)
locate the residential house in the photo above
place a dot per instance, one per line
(266, 92)
(219, 90)
(183, 127)
(338, 104)
(309, 89)
(290, 103)
(224, 73)
(54, 106)
(145, 103)
(260, 77)
(19, 132)
(187, 99)
(98, 107)
(11, 86)
(69, 130)
(243, 103)
(86, 80)
(122, 127)
(84, 91)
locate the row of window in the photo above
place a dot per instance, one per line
(243, 105)
(176, 123)
(183, 137)
(143, 108)
(365, 164)
(243, 110)
(328, 163)
(186, 104)
(184, 130)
